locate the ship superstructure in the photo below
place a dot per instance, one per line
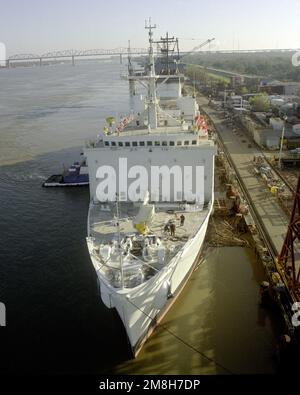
(145, 247)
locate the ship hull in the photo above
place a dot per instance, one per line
(61, 184)
(139, 345)
(58, 180)
(141, 309)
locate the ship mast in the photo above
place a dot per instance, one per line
(166, 45)
(131, 73)
(119, 241)
(152, 99)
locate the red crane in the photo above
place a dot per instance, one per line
(288, 264)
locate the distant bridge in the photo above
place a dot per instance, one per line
(121, 51)
(73, 53)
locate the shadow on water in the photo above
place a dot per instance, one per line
(216, 326)
(56, 322)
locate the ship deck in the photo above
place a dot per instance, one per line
(103, 228)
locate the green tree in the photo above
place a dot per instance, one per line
(244, 90)
(260, 102)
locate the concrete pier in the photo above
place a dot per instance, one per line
(274, 219)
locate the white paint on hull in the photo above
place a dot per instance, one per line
(139, 307)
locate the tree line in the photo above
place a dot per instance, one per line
(275, 65)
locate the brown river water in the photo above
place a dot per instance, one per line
(56, 322)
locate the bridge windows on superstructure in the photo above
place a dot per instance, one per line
(113, 144)
(157, 143)
(172, 143)
(179, 142)
(134, 144)
(127, 144)
(194, 142)
(164, 143)
(142, 143)
(106, 143)
(149, 143)
(186, 142)
(120, 144)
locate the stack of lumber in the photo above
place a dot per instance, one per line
(224, 233)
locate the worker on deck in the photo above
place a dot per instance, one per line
(172, 228)
(167, 228)
(182, 219)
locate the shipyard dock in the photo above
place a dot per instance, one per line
(271, 214)
(270, 217)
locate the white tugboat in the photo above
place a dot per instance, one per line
(144, 251)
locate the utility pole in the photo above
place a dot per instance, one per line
(281, 143)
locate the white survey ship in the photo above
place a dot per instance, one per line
(144, 251)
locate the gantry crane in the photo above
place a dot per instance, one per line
(199, 46)
(289, 258)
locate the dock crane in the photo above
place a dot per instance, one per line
(288, 265)
(195, 49)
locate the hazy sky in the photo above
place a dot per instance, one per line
(38, 26)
